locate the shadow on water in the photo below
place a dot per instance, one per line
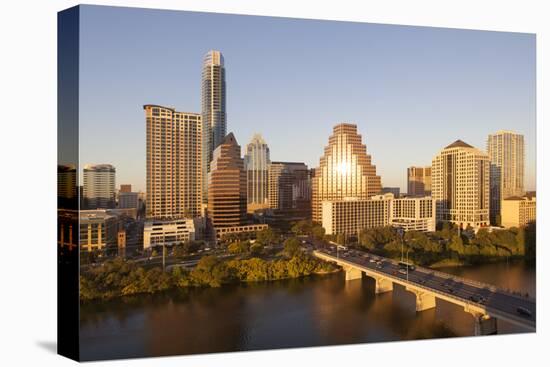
(308, 312)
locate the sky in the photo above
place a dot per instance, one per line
(410, 90)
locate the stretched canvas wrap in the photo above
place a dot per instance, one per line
(233, 183)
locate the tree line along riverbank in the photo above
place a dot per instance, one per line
(117, 277)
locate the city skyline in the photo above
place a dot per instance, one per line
(477, 99)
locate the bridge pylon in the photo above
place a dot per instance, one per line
(484, 324)
(424, 300)
(352, 273)
(382, 284)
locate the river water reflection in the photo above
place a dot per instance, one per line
(315, 311)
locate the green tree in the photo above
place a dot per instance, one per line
(291, 246)
(266, 236)
(318, 232)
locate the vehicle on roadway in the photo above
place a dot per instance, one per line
(372, 260)
(476, 298)
(403, 271)
(524, 312)
(405, 265)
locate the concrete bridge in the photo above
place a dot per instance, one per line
(485, 302)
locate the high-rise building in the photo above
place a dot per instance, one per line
(345, 170)
(174, 154)
(419, 181)
(99, 186)
(213, 109)
(256, 162)
(289, 186)
(460, 185)
(507, 154)
(125, 188)
(227, 185)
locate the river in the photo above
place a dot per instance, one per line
(313, 311)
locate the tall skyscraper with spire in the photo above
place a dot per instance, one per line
(213, 109)
(345, 170)
(507, 154)
(256, 162)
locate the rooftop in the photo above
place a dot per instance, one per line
(458, 144)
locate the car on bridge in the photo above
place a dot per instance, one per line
(524, 312)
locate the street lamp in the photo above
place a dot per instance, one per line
(408, 264)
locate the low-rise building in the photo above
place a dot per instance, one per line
(518, 211)
(98, 229)
(169, 232)
(221, 232)
(352, 216)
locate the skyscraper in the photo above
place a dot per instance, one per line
(227, 185)
(174, 156)
(460, 185)
(213, 109)
(256, 162)
(507, 154)
(289, 187)
(99, 186)
(345, 170)
(419, 181)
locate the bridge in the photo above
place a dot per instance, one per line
(485, 302)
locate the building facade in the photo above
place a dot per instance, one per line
(168, 232)
(518, 211)
(128, 200)
(174, 156)
(227, 185)
(351, 216)
(419, 181)
(413, 213)
(125, 188)
(256, 162)
(99, 186)
(460, 185)
(289, 186)
(507, 155)
(345, 170)
(396, 191)
(98, 229)
(213, 110)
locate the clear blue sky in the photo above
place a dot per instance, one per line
(410, 90)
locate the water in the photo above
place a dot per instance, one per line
(314, 311)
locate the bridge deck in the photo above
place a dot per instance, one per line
(494, 301)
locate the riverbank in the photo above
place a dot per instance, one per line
(119, 278)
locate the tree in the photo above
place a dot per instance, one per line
(456, 244)
(302, 227)
(291, 246)
(240, 247)
(256, 249)
(318, 232)
(266, 236)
